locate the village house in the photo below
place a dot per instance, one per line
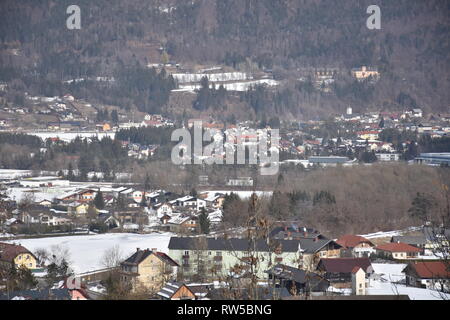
(297, 281)
(419, 241)
(84, 195)
(365, 72)
(147, 269)
(368, 135)
(163, 209)
(189, 201)
(340, 271)
(40, 294)
(176, 291)
(77, 208)
(214, 200)
(240, 182)
(428, 274)
(182, 223)
(291, 231)
(359, 284)
(356, 246)
(388, 156)
(398, 251)
(17, 256)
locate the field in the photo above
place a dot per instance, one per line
(86, 251)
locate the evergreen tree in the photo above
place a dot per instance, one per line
(143, 202)
(147, 183)
(120, 203)
(204, 222)
(99, 202)
(420, 207)
(114, 116)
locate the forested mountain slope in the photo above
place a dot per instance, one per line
(411, 50)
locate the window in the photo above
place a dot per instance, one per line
(218, 253)
(186, 253)
(360, 285)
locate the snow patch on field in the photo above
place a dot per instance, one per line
(69, 136)
(86, 251)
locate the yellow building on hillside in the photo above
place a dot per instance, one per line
(365, 72)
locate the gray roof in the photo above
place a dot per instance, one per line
(236, 244)
(418, 240)
(300, 276)
(169, 289)
(44, 294)
(141, 255)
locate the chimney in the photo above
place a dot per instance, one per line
(137, 249)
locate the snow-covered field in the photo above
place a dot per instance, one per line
(386, 288)
(14, 174)
(231, 86)
(393, 273)
(86, 251)
(69, 136)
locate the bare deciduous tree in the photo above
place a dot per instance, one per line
(112, 257)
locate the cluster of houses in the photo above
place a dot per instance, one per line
(53, 202)
(295, 262)
(139, 151)
(359, 133)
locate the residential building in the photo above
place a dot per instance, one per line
(388, 156)
(147, 269)
(398, 251)
(176, 291)
(340, 271)
(297, 281)
(17, 256)
(365, 72)
(357, 246)
(419, 241)
(41, 294)
(428, 274)
(241, 182)
(359, 283)
(215, 257)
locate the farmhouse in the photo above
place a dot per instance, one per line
(428, 274)
(356, 246)
(398, 250)
(339, 271)
(297, 281)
